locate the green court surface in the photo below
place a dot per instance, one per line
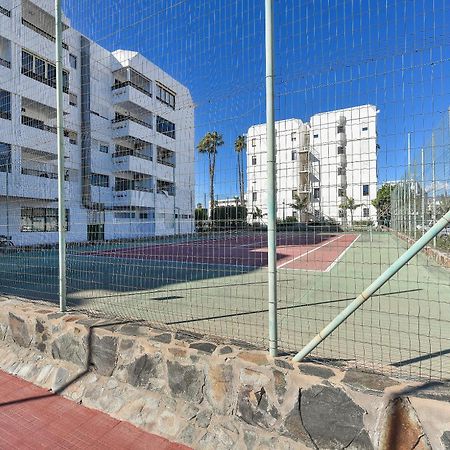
(404, 330)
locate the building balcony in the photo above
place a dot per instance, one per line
(28, 186)
(131, 127)
(134, 197)
(131, 97)
(165, 172)
(5, 23)
(133, 162)
(44, 138)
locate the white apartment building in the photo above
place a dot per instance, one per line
(129, 136)
(325, 161)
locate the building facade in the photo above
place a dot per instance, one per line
(129, 136)
(320, 165)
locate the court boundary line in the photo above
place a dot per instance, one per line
(328, 269)
(308, 252)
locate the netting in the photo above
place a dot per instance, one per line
(166, 169)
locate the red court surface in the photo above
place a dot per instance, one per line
(33, 418)
(296, 252)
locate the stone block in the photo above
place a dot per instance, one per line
(186, 381)
(445, 439)
(363, 381)
(316, 370)
(255, 408)
(401, 428)
(71, 349)
(140, 372)
(164, 338)
(19, 330)
(220, 387)
(258, 358)
(205, 347)
(330, 417)
(103, 354)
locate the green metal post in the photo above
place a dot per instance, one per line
(271, 182)
(409, 184)
(377, 284)
(60, 138)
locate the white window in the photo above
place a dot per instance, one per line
(253, 142)
(73, 61)
(365, 212)
(316, 136)
(253, 160)
(293, 136)
(73, 99)
(254, 196)
(104, 148)
(365, 189)
(294, 155)
(365, 128)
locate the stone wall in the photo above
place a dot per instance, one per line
(212, 395)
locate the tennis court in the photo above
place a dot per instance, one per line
(217, 285)
(294, 251)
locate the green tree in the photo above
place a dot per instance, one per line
(350, 205)
(240, 145)
(300, 203)
(208, 145)
(383, 204)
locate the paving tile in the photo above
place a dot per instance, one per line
(33, 418)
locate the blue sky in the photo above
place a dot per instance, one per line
(330, 54)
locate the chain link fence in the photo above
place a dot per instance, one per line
(166, 169)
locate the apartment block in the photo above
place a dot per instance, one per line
(320, 164)
(128, 136)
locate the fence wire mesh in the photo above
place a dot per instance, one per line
(166, 170)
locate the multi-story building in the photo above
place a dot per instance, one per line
(129, 136)
(320, 165)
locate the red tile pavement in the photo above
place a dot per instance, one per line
(33, 418)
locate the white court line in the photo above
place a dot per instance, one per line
(341, 255)
(309, 251)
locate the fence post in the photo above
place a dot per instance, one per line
(60, 144)
(271, 182)
(374, 287)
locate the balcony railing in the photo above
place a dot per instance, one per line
(131, 152)
(48, 81)
(4, 62)
(133, 119)
(40, 173)
(166, 163)
(5, 11)
(130, 83)
(43, 33)
(34, 123)
(134, 188)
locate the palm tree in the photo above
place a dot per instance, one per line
(300, 203)
(240, 144)
(209, 145)
(351, 205)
